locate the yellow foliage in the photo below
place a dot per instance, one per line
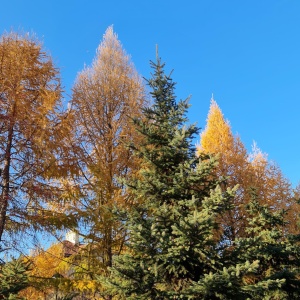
(273, 188)
(46, 261)
(239, 168)
(32, 133)
(45, 264)
(106, 96)
(217, 136)
(86, 285)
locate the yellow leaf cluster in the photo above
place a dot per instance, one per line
(86, 285)
(247, 171)
(217, 136)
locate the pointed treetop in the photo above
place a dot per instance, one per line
(217, 136)
(111, 45)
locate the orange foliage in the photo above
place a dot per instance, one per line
(248, 172)
(45, 265)
(106, 96)
(31, 133)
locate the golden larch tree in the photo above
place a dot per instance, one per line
(106, 96)
(217, 139)
(250, 172)
(217, 136)
(30, 128)
(272, 187)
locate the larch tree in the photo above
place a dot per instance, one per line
(51, 274)
(273, 188)
(30, 132)
(247, 171)
(106, 96)
(217, 138)
(294, 211)
(233, 165)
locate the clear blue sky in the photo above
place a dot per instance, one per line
(245, 52)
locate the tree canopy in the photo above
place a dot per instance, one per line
(154, 216)
(31, 132)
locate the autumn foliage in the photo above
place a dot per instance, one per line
(247, 171)
(157, 217)
(31, 130)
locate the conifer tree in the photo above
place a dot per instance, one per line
(13, 278)
(217, 138)
(105, 96)
(172, 239)
(273, 188)
(278, 254)
(175, 249)
(262, 265)
(32, 129)
(248, 171)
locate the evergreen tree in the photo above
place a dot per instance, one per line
(173, 240)
(263, 265)
(13, 278)
(277, 254)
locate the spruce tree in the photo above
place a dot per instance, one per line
(263, 265)
(277, 255)
(177, 248)
(13, 278)
(172, 234)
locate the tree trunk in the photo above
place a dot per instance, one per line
(5, 186)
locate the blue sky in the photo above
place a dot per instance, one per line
(247, 53)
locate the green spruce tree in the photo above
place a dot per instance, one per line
(177, 248)
(264, 265)
(172, 234)
(276, 254)
(13, 278)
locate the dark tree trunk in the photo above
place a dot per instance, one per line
(5, 186)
